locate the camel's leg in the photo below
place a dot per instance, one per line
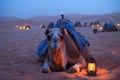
(46, 67)
(40, 58)
(78, 66)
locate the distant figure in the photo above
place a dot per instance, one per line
(63, 21)
(62, 16)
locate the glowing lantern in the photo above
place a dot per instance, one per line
(27, 28)
(92, 26)
(41, 25)
(118, 25)
(97, 25)
(100, 28)
(23, 27)
(91, 67)
(17, 26)
(20, 28)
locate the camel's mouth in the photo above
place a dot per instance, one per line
(55, 49)
(55, 45)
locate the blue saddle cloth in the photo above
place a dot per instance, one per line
(79, 39)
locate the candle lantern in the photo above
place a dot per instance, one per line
(20, 28)
(118, 25)
(91, 67)
(100, 28)
(92, 26)
(97, 25)
(27, 27)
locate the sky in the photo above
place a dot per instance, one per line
(31, 8)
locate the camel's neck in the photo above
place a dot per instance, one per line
(57, 59)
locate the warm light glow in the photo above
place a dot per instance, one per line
(97, 25)
(118, 24)
(91, 67)
(23, 27)
(27, 28)
(17, 26)
(41, 25)
(20, 28)
(92, 26)
(100, 28)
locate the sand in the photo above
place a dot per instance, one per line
(18, 62)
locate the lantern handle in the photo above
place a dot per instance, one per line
(90, 59)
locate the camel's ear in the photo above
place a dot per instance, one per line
(65, 32)
(46, 31)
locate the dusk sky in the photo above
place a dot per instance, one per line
(30, 8)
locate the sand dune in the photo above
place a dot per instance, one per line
(37, 20)
(115, 17)
(17, 58)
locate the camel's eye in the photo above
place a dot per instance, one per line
(49, 37)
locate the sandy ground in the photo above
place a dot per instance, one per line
(17, 55)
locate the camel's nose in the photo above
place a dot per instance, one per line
(55, 40)
(55, 44)
(55, 47)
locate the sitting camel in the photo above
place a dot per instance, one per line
(62, 54)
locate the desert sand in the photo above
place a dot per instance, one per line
(18, 62)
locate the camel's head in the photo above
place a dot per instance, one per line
(55, 38)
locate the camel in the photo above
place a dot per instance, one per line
(62, 53)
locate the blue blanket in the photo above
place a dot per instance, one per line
(80, 40)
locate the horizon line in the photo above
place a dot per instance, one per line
(59, 15)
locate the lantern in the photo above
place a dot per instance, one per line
(27, 28)
(17, 26)
(92, 26)
(118, 24)
(41, 26)
(91, 67)
(20, 28)
(97, 25)
(100, 28)
(23, 27)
